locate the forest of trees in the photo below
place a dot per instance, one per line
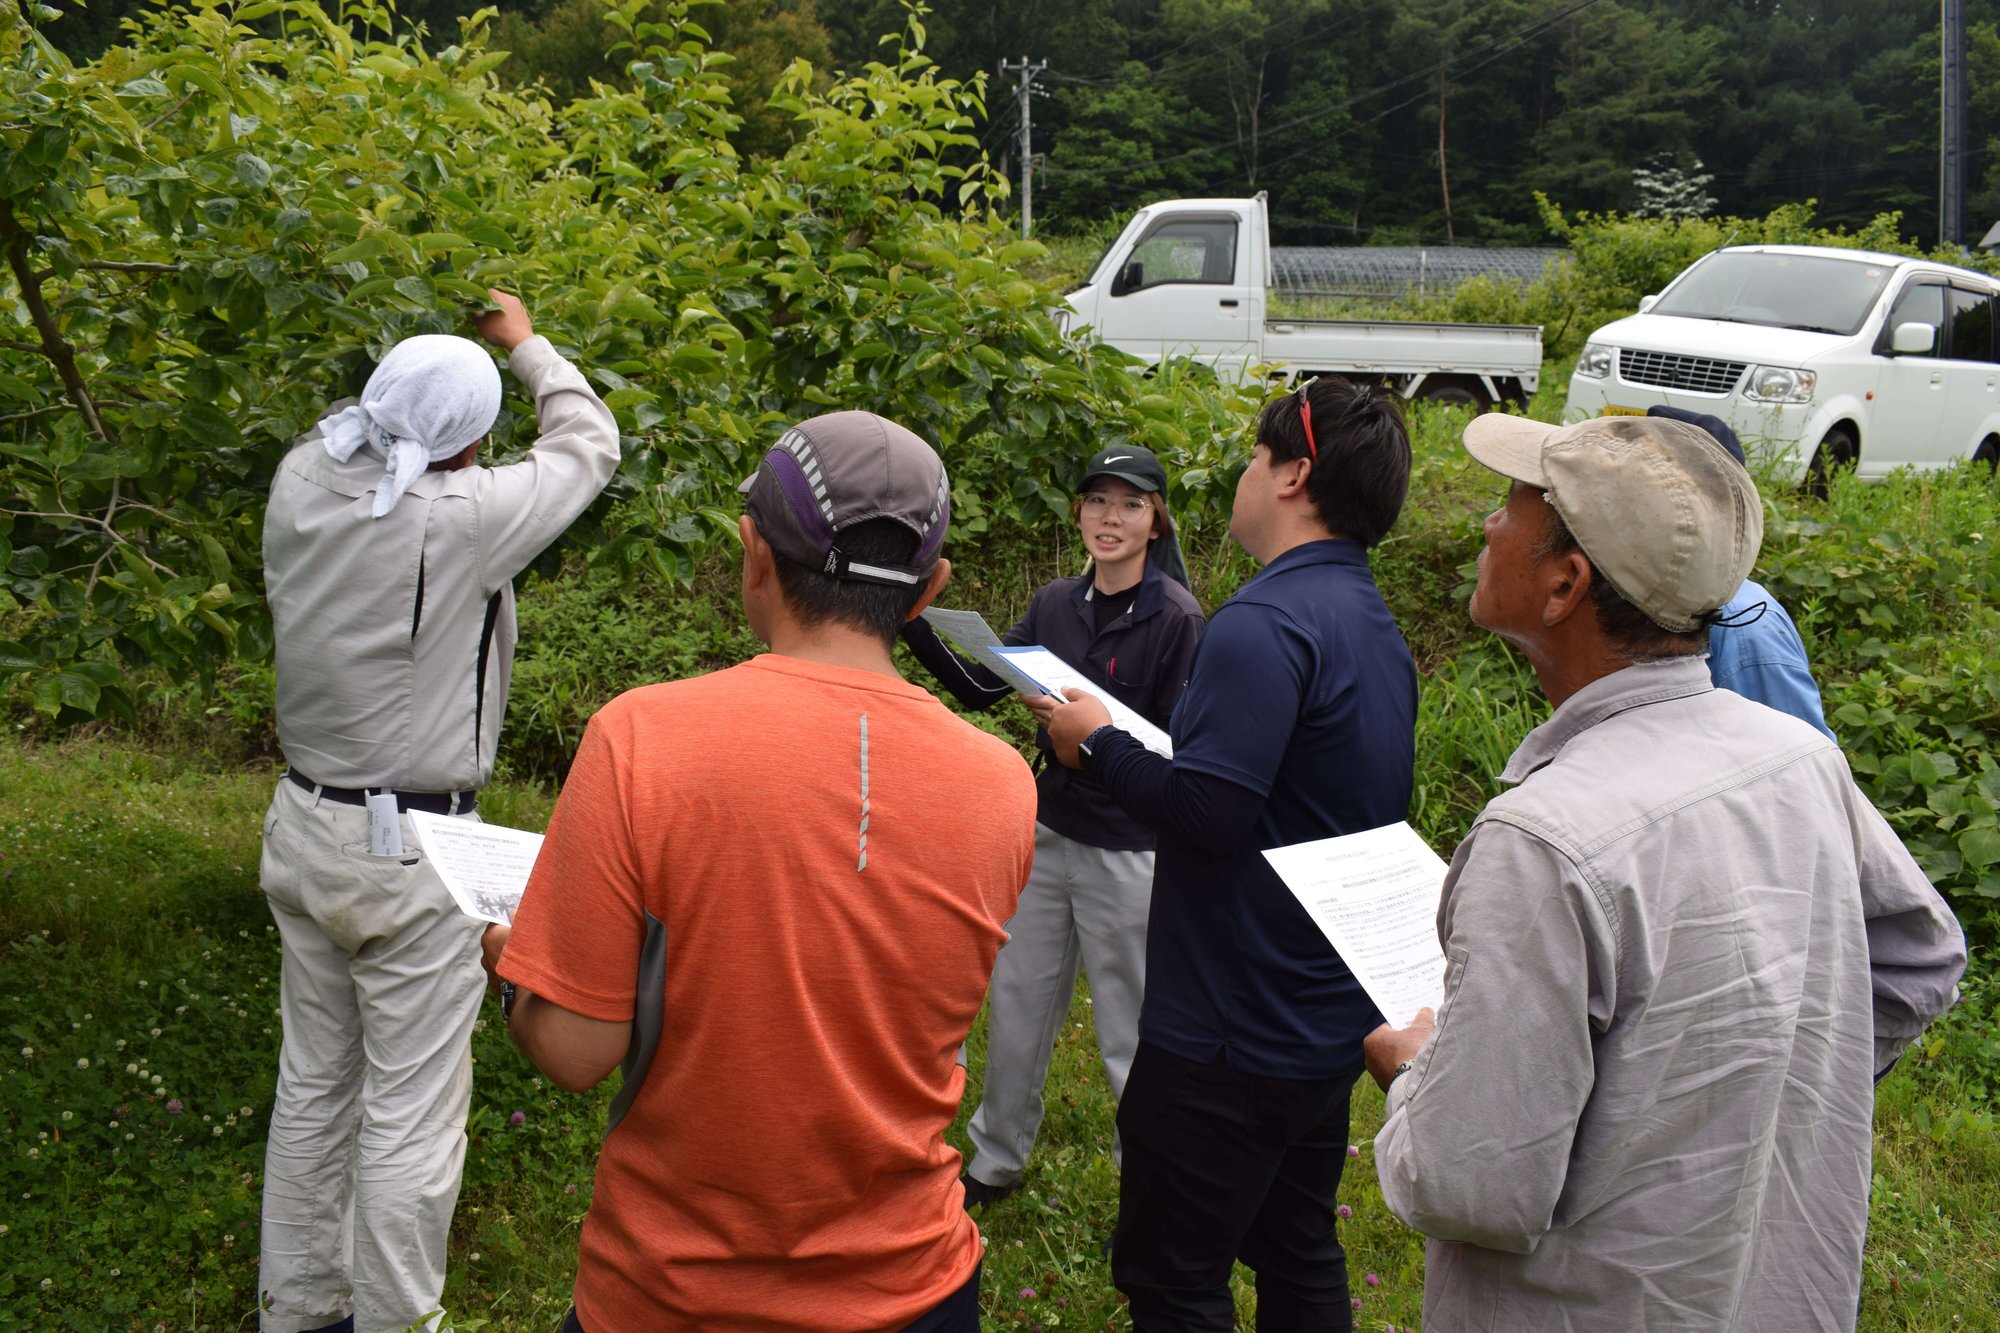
(1376, 121)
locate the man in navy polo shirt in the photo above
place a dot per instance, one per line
(1298, 722)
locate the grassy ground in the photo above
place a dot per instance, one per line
(135, 941)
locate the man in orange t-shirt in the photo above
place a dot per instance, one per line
(774, 893)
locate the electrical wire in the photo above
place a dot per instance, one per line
(1496, 46)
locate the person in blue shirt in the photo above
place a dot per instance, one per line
(1758, 655)
(1298, 723)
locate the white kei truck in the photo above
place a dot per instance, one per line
(1192, 278)
(1818, 357)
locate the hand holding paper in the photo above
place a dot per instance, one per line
(1058, 677)
(1387, 1048)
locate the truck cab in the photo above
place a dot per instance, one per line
(1192, 277)
(1185, 278)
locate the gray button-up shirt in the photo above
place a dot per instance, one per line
(1676, 955)
(395, 635)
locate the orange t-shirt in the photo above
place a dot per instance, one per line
(833, 855)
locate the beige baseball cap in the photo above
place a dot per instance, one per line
(1660, 508)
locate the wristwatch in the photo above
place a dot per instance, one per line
(507, 993)
(1401, 1070)
(1083, 750)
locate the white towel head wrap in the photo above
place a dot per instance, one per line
(432, 395)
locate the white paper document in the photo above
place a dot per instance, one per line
(1374, 895)
(976, 639)
(484, 866)
(1044, 668)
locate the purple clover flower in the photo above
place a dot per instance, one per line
(518, 1119)
(1344, 1211)
(1357, 1302)
(1353, 1150)
(1027, 1293)
(174, 1106)
(1372, 1280)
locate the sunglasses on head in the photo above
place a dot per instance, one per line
(1306, 419)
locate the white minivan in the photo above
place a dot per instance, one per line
(1816, 356)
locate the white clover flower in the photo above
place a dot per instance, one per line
(131, 1069)
(120, 1044)
(83, 1062)
(157, 1080)
(245, 1113)
(156, 1032)
(48, 1282)
(216, 1132)
(27, 1051)
(69, 1115)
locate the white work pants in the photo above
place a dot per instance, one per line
(381, 983)
(1082, 906)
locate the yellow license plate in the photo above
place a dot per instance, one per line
(1611, 410)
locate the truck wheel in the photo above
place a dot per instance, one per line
(1837, 448)
(1455, 393)
(1989, 454)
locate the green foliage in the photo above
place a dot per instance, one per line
(210, 252)
(1615, 259)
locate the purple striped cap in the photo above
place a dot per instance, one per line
(828, 473)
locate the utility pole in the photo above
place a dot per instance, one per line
(1951, 139)
(1025, 94)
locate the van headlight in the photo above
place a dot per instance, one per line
(1778, 384)
(1595, 363)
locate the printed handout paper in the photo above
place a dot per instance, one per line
(969, 630)
(1374, 895)
(484, 866)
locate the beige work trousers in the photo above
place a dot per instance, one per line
(1082, 907)
(381, 983)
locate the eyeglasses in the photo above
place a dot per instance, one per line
(1306, 419)
(1099, 503)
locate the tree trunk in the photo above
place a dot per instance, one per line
(53, 347)
(1444, 177)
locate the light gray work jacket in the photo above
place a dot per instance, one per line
(1677, 953)
(395, 635)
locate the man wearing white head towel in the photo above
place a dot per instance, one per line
(388, 557)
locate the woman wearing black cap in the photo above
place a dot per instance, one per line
(1130, 624)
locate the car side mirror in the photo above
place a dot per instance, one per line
(1130, 279)
(1913, 339)
(1647, 303)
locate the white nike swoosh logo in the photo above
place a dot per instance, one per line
(1119, 458)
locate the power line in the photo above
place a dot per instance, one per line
(1497, 46)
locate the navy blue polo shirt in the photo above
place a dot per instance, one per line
(1304, 693)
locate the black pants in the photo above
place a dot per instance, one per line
(956, 1313)
(1219, 1166)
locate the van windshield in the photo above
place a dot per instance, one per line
(1819, 293)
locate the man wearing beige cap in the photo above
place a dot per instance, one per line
(1678, 951)
(775, 893)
